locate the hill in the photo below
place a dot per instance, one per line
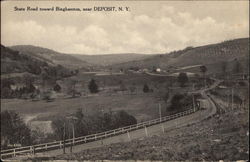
(51, 56)
(109, 59)
(21, 69)
(211, 55)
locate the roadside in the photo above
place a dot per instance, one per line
(221, 137)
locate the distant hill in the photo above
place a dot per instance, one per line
(15, 62)
(227, 51)
(109, 59)
(18, 68)
(51, 56)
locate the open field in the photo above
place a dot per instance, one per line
(143, 107)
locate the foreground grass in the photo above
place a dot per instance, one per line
(224, 137)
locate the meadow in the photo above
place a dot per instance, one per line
(142, 107)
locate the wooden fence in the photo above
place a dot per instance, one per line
(89, 138)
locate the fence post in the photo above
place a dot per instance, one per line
(60, 144)
(14, 153)
(31, 150)
(162, 126)
(34, 151)
(46, 146)
(128, 136)
(95, 136)
(146, 131)
(85, 139)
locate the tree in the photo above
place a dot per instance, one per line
(57, 88)
(237, 67)
(145, 88)
(5, 92)
(124, 119)
(166, 96)
(122, 86)
(93, 87)
(13, 129)
(72, 88)
(180, 102)
(31, 88)
(132, 88)
(60, 125)
(182, 79)
(224, 67)
(203, 69)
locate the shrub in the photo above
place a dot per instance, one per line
(145, 88)
(180, 102)
(93, 87)
(57, 88)
(182, 79)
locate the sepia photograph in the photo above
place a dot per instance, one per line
(124, 80)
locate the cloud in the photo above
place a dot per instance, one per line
(98, 33)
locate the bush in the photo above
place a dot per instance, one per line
(182, 79)
(145, 88)
(95, 123)
(179, 102)
(57, 88)
(93, 87)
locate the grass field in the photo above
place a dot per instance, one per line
(143, 107)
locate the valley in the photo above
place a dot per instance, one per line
(45, 88)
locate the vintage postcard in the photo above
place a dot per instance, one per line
(124, 80)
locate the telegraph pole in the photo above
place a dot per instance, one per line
(193, 99)
(160, 111)
(228, 100)
(64, 133)
(232, 97)
(73, 137)
(160, 118)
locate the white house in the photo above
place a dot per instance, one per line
(158, 70)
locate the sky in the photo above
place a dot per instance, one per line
(149, 27)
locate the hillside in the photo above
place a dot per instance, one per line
(207, 55)
(15, 62)
(109, 59)
(52, 56)
(18, 68)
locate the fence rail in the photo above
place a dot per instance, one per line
(89, 138)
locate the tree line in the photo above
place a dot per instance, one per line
(15, 131)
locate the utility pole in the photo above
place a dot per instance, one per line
(73, 137)
(73, 134)
(71, 120)
(64, 133)
(228, 100)
(193, 102)
(160, 111)
(232, 97)
(193, 99)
